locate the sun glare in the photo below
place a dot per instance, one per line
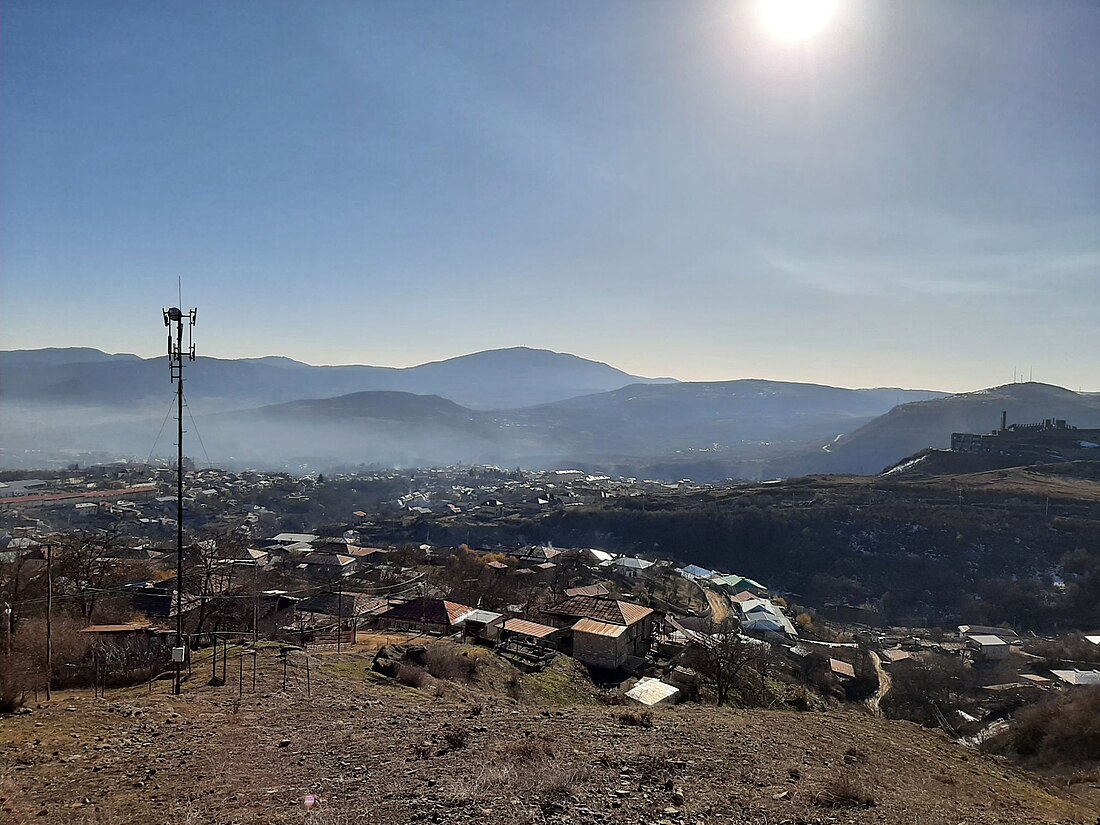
(796, 19)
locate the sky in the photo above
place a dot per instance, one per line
(909, 197)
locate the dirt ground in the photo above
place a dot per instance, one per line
(371, 750)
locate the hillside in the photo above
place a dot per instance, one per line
(733, 416)
(910, 428)
(371, 750)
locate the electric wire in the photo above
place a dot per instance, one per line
(195, 427)
(160, 432)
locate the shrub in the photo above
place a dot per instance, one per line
(514, 685)
(13, 684)
(1062, 729)
(456, 738)
(411, 676)
(845, 790)
(444, 662)
(636, 718)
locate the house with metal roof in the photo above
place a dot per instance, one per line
(739, 584)
(604, 632)
(426, 615)
(628, 566)
(762, 618)
(987, 646)
(1078, 677)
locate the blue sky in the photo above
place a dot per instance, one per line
(911, 197)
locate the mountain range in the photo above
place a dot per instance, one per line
(532, 408)
(494, 379)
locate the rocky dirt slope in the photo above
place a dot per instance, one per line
(373, 751)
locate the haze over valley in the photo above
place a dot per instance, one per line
(514, 407)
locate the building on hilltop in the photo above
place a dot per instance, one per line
(1052, 439)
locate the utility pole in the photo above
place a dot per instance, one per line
(255, 601)
(178, 352)
(7, 621)
(339, 612)
(49, 618)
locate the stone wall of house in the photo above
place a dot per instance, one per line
(599, 651)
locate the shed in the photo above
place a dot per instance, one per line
(483, 624)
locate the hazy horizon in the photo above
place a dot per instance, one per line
(909, 196)
(1022, 377)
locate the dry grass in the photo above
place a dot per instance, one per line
(845, 790)
(635, 718)
(411, 676)
(527, 769)
(443, 661)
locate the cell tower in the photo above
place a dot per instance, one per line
(178, 353)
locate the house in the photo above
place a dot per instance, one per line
(650, 692)
(605, 632)
(984, 630)
(763, 618)
(540, 555)
(426, 615)
(330, 608)
(694, 571)
(986, 646)
(842, 670)
(598, 589)
(739, 584)
(292, 538)
(628, 566)
(1078, 677)
(591, 556)
(895, 655)
(327, 565)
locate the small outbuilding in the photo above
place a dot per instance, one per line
(650, 692)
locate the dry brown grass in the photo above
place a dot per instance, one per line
(411, 676)
(527, 769)
(845, 790)
(635, 718)
(443, 661)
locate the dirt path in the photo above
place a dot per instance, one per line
(883, 685)
(719, 605)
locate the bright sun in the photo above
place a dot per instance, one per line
(796, 19)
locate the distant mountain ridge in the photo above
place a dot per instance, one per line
(532, 408)
(494, 379)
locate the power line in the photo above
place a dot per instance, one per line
(198, 435)
(167, 415)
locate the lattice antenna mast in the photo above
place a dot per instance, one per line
(179, 351)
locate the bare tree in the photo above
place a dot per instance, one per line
(210, 569)
(88, 566)
(723, 657)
